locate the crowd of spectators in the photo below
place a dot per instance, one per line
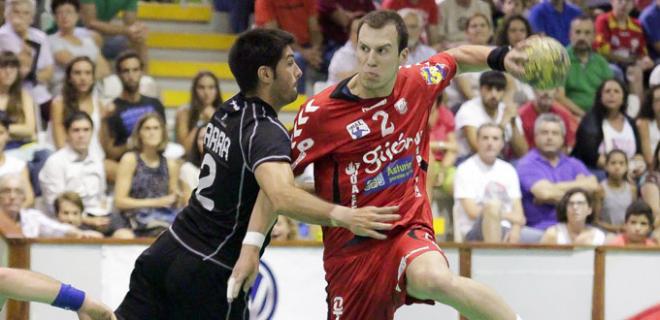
(85, 149)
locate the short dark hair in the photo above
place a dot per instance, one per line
(599, 108)
(125, 55)
(612, 152)
(256, 48)
(493, 79)
(583, 17)
(562, 206)
(76, 116)
(4, 119)
(57, 3)
(639, 208)
(380, 18)
(490, 125)
(502, 34)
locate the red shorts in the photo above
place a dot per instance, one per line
(367, 280)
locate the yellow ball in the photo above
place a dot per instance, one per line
(548, 63)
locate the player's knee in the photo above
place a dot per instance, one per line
(434, 283)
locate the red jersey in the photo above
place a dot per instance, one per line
(624, 40)
(372, 152)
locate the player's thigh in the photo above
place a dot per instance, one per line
(428, 275)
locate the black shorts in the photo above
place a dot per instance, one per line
(170, 282)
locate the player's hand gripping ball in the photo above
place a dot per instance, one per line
(548, 63)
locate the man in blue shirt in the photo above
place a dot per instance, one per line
(650, 20)
(553, 18)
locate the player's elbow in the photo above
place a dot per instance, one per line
(281, 199)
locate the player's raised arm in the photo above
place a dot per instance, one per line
(476, 58)
(26, 285)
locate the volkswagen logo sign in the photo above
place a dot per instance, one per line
(263, 296)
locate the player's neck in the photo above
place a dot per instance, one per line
(266, 97)
(357, 89)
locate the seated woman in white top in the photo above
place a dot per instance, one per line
(205, 98)
(189, 172)
(70, 42)
(574, 213)
(648, 123)
(16, 102)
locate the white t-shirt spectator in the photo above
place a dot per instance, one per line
(10, 41)
(473, 113)
(613, 139)
(344, 60)
(472, 180)
(454, 18)
(36, 224)
(87, 48)
(12, 166)
(421, 53)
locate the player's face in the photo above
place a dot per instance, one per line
(151, 133)
(206, 90)
(517, 32)
(414, 26)
(378, 57)
(577, 208)
(612, 96)
(545, 98)
(637, 228)
(287, 75)
(69, 213)
(582, 35)
(491, 96)
(548, 137)
(617, 166)
(489, 143)
(478, 31)
(82, 76)
(130, 72)
(79, 135)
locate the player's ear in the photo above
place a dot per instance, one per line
(403, 56)
(265, 74)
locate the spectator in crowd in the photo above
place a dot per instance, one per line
(189, 172)
(574, 214)
(620, 38)
(487, 192)
(638, 226)
(16, 102)
(10, 164)
(514, 29)
(344, 62)
(414, 20)
(615, 194)
(430, 14)
(588, 69)
(443, 147)
(650, 20)
(74, 168)
(69, 209)
(285, 229)
(97, 15)
(32, 48)
(466, 87)
(553, 18)
(78, 94)
(488, 107)
(300, 18)
(239, 12)
(121, 116)
(512, 8)
(335, 17)
(33, 222)
(454, 23)
(545, 103)
(546, 173)
(205, 98)
(650, 189)
(648, 123)
(146, 189)
(67, 44)
(607, 127)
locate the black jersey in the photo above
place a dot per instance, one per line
(242, 134)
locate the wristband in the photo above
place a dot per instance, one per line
(69, 298)
(254, 239)
(496, 58)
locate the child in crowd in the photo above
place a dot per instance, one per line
(69, 209)
(616, 193)
(638, 226)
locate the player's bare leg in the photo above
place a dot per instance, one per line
(428, 277)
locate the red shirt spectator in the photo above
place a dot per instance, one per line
(624, 40)
(444, 124)
(335, 17)
(528, 114)
(428, 6)
(290, 15)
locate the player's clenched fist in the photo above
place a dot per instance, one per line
(365, 221)
(244, 273)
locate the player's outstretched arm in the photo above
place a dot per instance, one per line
(26, 285)
(277, 182)
(476, 58)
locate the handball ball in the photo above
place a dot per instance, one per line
(548, 63)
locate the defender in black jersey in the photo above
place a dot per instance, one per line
(184, 274)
